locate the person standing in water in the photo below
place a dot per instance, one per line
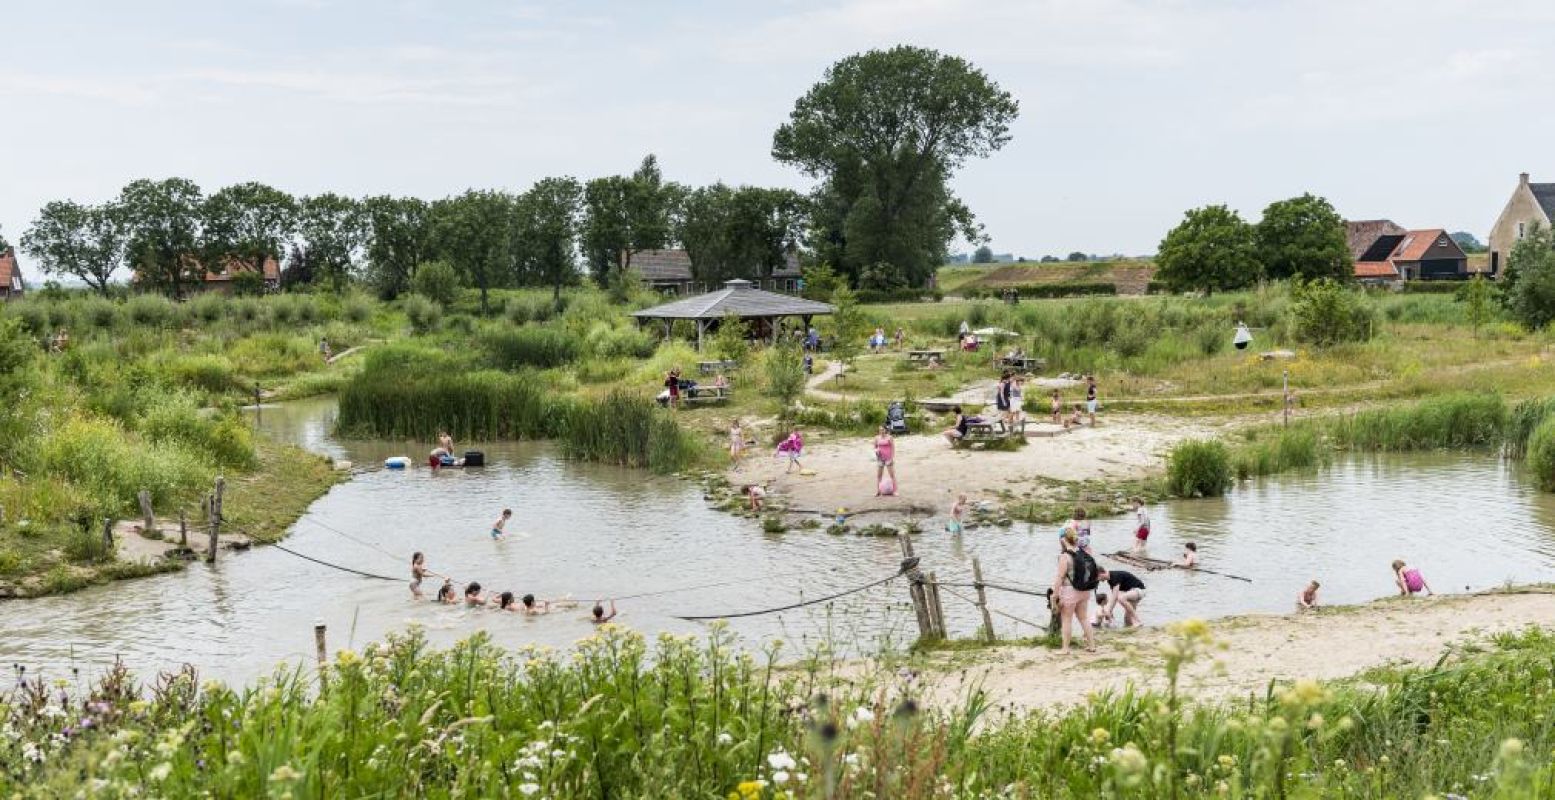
(418, 571)
(1141, 524)
(445, 442)
(499, 528)
(957, 513)
(1409, 580)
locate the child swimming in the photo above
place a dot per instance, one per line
(445, 594)
(505, 602)
(498, 528)
(599, 616)
(1190, 556)
(472, 594)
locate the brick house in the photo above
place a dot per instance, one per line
(1386, 253)
(1531, 204)
(669, 272)
(222, 281)
(11, 284)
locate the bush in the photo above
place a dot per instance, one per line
(783, 370)
(731, 341)
(529, 346)
(176, 418)
(1523, 420)
(1541, 455)
(98, 457)
(1283, 449)
(424, 315)
(1199, 468)
(356, 308)
(209, 307)
(901, 294)
(627, 429)
(1453, 421)
(99, 312)
(150, 310)
(380, 403)
(606, 341)
(1327, 313)
(437, 281)
(209, 372)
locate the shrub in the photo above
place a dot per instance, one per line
(1210, 339)
(97, 456)
(356, 308)
(606, 341)
(1042, 290)
(209, 307)
(424, 314)
(437, 281)
(381, 403)
(529, 346)
(149, 310)
(1541, 454)
(731, 340)
(1326, 313)
(1199, 468)
(209, 372)
(1524, 418)
(628, 429)
(1283, 449)
(783, 370)
(99, 312)
(176, 418)
(274, 355)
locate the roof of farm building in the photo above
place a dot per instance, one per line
(737, 298)
(1417, 245)
(1361, 234)
(675, 265)
(9, 271)
(1545, 194)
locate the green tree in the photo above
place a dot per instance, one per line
(162, 227)
(246, 224)
(545, 232)
(982, 255)
(744, 232)
(86, 242)
(399, 237)
(885, 131)
(1212, 249)
(850, 327)
(1078, 256)
(436, 280)
(1528, 287)
(624, 215)
(820, 282)
(731, 340)
(333, 229)
(1469, 242)
(1303, 237)
(473, 231)
(1477, 296)
(783, 366)
(1327, 312)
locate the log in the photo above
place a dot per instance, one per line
(149, 520)
(982, 600)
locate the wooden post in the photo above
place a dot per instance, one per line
(920, 605)
(982, 600)
(183, 529)
(1052, 614)
(210, 519)
(108, 535)
(318, 643)
(149, 519)
(936, 610)
(257, 395)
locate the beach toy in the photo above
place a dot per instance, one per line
(397, 462)
(808, 473)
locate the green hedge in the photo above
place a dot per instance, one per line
(901, 295)
(1433, 287)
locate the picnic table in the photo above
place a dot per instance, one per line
(699, 394)
(925, 355)
(990, 430)
(715, 367)
(1023, 363)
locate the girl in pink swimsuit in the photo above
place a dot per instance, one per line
(885, 462)
(1409, 580)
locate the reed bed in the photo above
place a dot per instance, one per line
(1451, 422)
(628, 429)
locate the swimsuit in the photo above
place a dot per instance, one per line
(1412, 580)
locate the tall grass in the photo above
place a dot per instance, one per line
(628, 429)
(1454, 421)
(1279, 450)
(1198, 468)
(1522, 421)
(529, 346)
(477, 406)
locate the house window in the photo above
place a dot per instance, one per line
(1520, 229)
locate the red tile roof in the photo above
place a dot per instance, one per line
(272, 271)
(1417, 244)
(9, 271)
(1375, 269)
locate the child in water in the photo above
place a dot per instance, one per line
(1142, 524)
(1409, 580)
(505, 602)
(445, 594)
(498, 528)
(472, 594)
(599, 616)
(1190, 556)
(957, 513)
(418, 570)
(1307, 599)
(758, 496)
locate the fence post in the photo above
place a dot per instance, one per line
(108, 534)
(318, 643)
(920, 604)
(1052, 614)
(145, 511)
(936, 611)
(257, 405)
(183, 529)
(982, 600)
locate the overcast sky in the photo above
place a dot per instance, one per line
(1422, 111)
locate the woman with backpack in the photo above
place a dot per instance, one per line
(1072, 588)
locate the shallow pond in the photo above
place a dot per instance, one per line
(587, 531)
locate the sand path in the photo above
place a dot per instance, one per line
(1330, 644)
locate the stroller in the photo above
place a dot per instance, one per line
(896, 418)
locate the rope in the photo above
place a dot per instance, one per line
(712, 585)
(333, 566)
(792, 606)
(987, 585)
(960, 596)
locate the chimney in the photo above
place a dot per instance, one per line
(1522, 180)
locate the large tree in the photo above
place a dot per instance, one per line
(1303, 237)
(85, 242)
(1212, 249)
(332, 229)
(744, 232)
(624, 215)
(247, 224)
(545, 233)
(885, 131)
(398, 239)
(162, 226)
(473, 232)
(1528, 287)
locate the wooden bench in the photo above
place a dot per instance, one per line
(925, 355)
(708, 394)
(991, 430)
(715, 367)
(1023, 363)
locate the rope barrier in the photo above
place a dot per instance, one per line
(987, 585)
(711, 585)
(792, 606)
(285, 549)
(960, 596)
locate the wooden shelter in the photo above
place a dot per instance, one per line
(738, 298)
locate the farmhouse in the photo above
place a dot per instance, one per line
(1385, 252)
(1531, 204)
(221, 280)
(669, 272)
(11, 285)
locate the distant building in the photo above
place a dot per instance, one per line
(11, 284)
(1385, 252)
(221, 281)
(960, 258)
(669, 272)
(1004, 258)
(1531, 204)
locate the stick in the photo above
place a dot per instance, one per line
(982, 600)
(183, 529)
(936, 610)
(318, 643)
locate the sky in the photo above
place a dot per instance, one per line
(1131, 111)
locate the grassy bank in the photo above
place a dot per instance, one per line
(702, 719)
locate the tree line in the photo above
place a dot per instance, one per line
(883, 132)
(1214, 249)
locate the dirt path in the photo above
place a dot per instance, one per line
(1330, 644)
(839, 472)
(813, 385)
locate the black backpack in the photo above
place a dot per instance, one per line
(1083, 576)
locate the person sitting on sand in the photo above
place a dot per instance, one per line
(758, 496)
(1307, 599)
(472, 594)
(1409, 580)
(1076, 419)
(499, 528)
(599, 616)
(446, 594)
(1190, 556)
(957, 431)
(957, 512)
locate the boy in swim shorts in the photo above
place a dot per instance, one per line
(498, 527)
